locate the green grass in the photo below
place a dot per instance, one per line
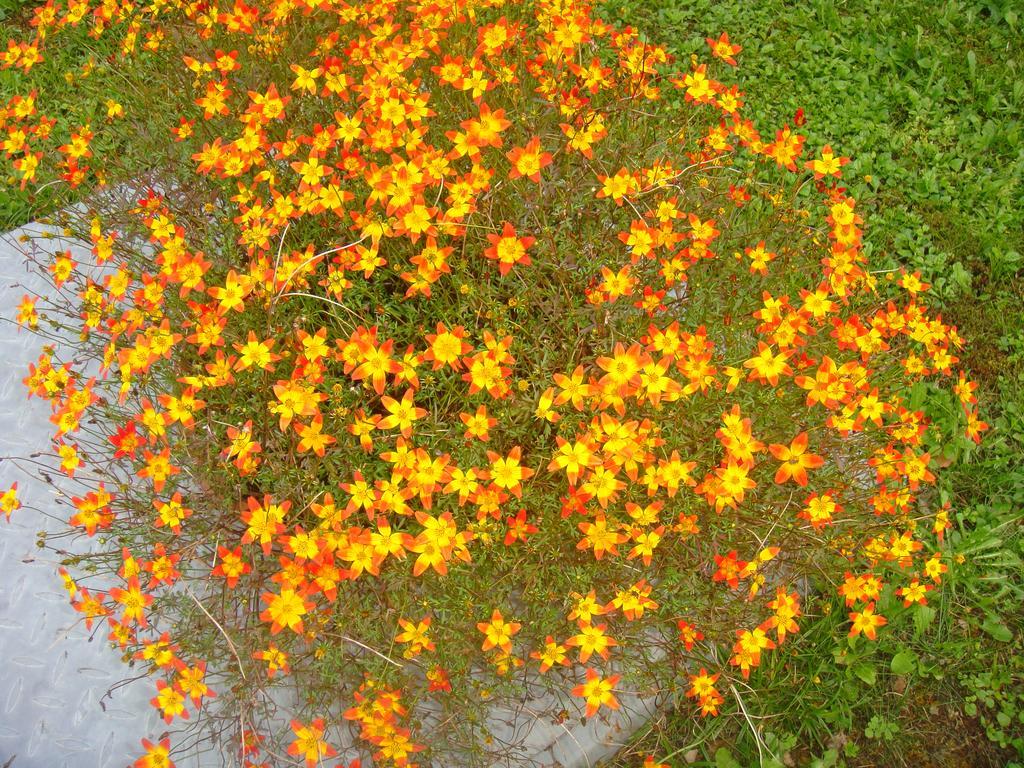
(927, 99)
(82, 97)
(11, 11)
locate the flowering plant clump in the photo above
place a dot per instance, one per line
(454, 346)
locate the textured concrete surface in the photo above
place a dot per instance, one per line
(58, 708)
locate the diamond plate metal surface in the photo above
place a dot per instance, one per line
(60, 706)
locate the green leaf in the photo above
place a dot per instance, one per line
(865, 672)
(997, 629)
(923, 617)
(904, 663)
(724, 759)
(827, 760)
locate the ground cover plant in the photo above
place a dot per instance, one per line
(926, 99)
(449, 348)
